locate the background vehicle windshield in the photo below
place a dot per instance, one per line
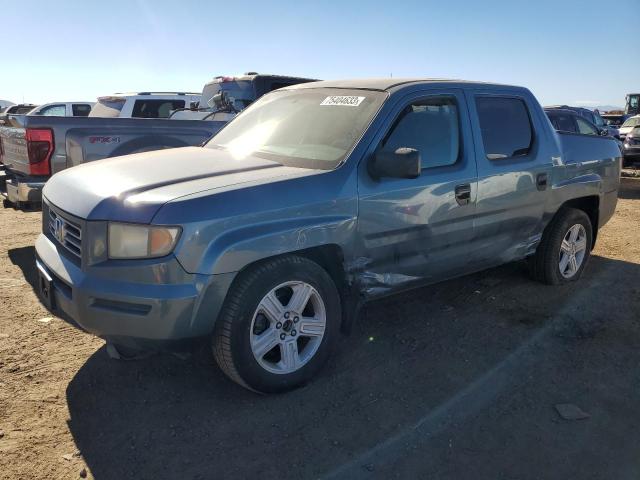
(241, 93)
(631, 122)
(309, 128)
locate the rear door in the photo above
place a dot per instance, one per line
(514, 169)
(420, 230)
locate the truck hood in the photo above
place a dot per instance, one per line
(133, 187)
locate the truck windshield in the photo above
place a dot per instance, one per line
(308, 128)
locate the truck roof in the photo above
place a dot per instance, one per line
(252, 75)
(387, 84)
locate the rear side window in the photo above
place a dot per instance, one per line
(81, 109)
(563, 122)
(506, 127)
(430, 126)
(155, 108)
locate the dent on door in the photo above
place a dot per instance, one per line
(411, 235)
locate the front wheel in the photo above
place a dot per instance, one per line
(565, 248)
(278, 326)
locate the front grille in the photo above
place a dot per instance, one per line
(66, 232)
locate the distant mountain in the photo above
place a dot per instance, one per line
(606, 108)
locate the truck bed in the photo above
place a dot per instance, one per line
(78, 140)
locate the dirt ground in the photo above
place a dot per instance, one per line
(458, 380)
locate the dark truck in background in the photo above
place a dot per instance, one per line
(34, 148)
(225, 96)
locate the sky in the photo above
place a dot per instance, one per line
(565, 51)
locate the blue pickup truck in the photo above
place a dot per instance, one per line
(318, 198)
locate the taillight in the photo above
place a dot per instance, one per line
(40, 149)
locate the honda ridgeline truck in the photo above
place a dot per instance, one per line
(315, 199)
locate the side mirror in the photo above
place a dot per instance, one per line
(194, 106)
(604, 132)
(401, 163)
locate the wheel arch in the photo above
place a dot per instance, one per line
(329, 257)
(591, 206)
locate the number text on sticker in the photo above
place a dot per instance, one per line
(344, 100)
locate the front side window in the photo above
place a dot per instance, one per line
(585, 127)
(430, 126)
(505, 126)
(53, 111)
(155, 108)
(308, 128)
(631, 122)
(598, 120)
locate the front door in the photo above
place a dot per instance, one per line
(418, 230)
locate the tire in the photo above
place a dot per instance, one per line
(548, 265)
(251, 320)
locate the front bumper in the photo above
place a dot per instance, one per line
(112, 306)
(631, 151)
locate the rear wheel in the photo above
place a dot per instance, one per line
(278, 326)
(565, 248)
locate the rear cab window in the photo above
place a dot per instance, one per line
(505, 125)
(20, 110)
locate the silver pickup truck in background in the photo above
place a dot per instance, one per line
(38, 147)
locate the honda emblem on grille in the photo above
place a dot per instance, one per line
(58, 229)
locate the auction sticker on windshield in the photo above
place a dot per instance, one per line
(346, 100)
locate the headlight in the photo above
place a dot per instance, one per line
(127, 240)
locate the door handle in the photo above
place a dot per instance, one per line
(463, 194)
(541, 181)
